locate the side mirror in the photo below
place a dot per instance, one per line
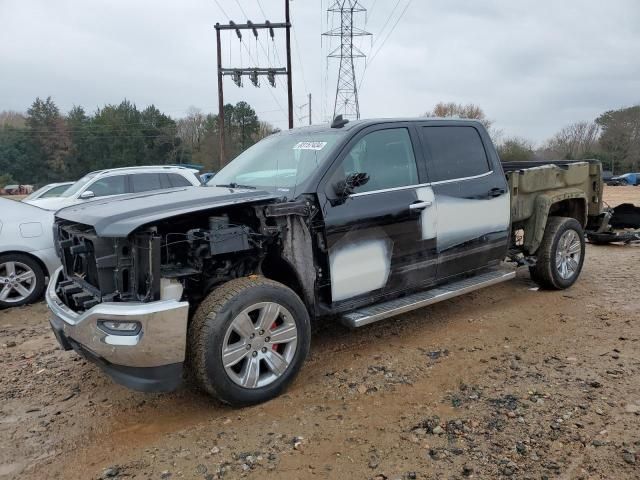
(345, 187)
(87, 194)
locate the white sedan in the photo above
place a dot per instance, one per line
(27, 256)
(51, 190)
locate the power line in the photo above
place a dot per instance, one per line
(391, 31)
(304, 80)
(250, 56)
(261, 9)
(222, 9)
(386, 23)
(370, 12)
(366, 22)
(383, 42)
(242, 10)
(110, 135)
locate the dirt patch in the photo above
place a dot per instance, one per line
(506, 382)
(617, 195)
(14, 197)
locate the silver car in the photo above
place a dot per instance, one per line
(49, 191)
(27, 256)
(120, 181)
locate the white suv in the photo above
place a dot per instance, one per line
(118, 181)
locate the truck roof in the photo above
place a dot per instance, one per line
(353, 124)
(141, 168)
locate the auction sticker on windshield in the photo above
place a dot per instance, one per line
(310, 145)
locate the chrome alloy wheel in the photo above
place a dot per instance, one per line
(259, 345)
(17, 281)
(568, 254)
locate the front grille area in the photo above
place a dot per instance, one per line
(98, 269)
(75, 296)
(80, 287)
(77, 252)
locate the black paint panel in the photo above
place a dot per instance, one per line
(488, 246)
(381, 214)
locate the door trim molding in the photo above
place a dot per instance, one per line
(420, 185)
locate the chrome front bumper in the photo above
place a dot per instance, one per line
(160, 342)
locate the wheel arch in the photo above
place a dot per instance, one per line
(40, 262)
(571, 203)
(572, 208)
(277, 268)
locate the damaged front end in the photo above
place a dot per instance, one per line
(124, 302)
(151, 264)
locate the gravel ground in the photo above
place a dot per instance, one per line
(506, 382)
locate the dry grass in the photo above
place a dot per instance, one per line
(13, 197)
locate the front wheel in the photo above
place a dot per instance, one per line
(248, 340)
(560, 255)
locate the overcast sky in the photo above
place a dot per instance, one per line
(532, 66)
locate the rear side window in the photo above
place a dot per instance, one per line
(178, 180)
(144, 182)
(456, 152)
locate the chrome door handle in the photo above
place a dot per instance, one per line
(419, 205)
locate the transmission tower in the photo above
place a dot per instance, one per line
(346, 102)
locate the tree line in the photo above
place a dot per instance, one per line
(44, 145)
(613, 138)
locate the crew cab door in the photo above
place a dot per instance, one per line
(471, 201)
(374, 233)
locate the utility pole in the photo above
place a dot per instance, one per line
(346, 102)
(287, 19)
(253, 73)
(220, 103)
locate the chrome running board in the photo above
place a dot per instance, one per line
(380, 311)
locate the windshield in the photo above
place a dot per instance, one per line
(278, 162)
(57, 191)
(37, 193)
(79, 185)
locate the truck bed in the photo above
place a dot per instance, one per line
(530, 182)
(515, 166)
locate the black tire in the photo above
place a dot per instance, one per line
(36, 268)
(545, 272)
(213, 319)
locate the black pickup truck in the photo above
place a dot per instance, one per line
(358, 221)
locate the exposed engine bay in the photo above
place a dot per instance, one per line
(185, 255)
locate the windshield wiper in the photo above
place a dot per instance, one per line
(236, 185)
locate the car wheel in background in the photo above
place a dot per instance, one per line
(22, 280)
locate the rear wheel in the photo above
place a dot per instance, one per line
(248, 340)
(22, 280)
(560, 255)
